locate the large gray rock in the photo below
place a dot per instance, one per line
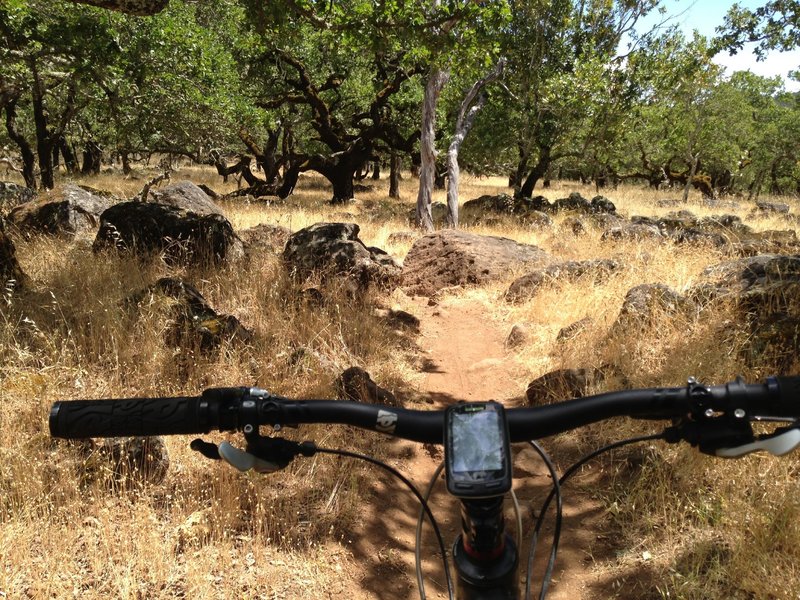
(646, 304)
(735, 279)
(562, 384)
(772, 207)
(70, 211)
(765, 291)
(356, 384)
(264, 236)
(13, 194)
(181, 237)
(724, 231)
(633, 231)
(504, 204)
(528, 286)
(450, 257)
(334, 249)
(194, 324)
(186, 196)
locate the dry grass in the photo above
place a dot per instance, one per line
(713, 529)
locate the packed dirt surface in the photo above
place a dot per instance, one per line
(465, 359)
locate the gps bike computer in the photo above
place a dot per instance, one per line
(476, 450)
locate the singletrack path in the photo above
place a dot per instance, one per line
(464, 358)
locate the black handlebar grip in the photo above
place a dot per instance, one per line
(131, 417)
(789, 390)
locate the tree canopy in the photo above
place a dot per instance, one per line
(338, 87)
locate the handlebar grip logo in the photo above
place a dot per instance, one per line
(387, 421)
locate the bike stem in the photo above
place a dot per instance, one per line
(485, 556)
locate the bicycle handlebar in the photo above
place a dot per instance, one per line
(245, 409)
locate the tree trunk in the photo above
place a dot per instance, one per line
(394, 176)
(44, 140)
(466, 117)
(91, 158)
(126, 162)
(515, 180)
(694, 160)
(775, 187)
(56, 153)
(290, 177)
(28, 157)
(69, 156)
(538, 171)
(376, 171)
(427, 143)
(341, 179)
(267, 159)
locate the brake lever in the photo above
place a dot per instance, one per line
(779, 443)
(244, 461)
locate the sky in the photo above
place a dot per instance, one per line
(706, 15)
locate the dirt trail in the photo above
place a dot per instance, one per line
(465, 359)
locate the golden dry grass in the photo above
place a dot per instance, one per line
(709, 529)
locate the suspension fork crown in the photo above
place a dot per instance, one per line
(485, 556)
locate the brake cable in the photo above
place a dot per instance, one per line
(556, 491)
(423, 504)
(270, 454)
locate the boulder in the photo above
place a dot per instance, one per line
(719, 204)
(332, 249)
(195, 323)
(498, 204)
(724, 223)
(537, 219)
(562, 384)
(356, 384)
(634, 231)
(148, 230)
(607, 220)
(574, 329)
(601, 204)
(451, 257)
(10, 271)
(644, 304)
(528, 286)
(70, 211)
(186, 196)
(760, 275)
(772, 207)
(537, 203)
(765, 291)
(264, 236)
(529, 210)
(767, 242)
(695, 235)
(574, 202)
(573, 225)
(401, 237)
(13, 194)
(517, 336)
(398, 319)
(723, 231)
